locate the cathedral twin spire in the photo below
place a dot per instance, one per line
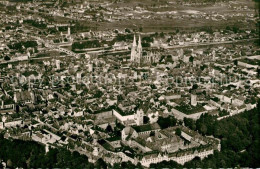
(136, 51)
(139, 42)
(134, 42)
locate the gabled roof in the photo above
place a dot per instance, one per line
(147, 127)
(128, 130)
(23, 96)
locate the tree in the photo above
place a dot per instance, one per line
(189, 123)
(152, 133)
(206, 124)
(29, 44)
(191, 59)
(25, 86)
(203, 129)
(100, 163)
(167, 122)
(7, 58)
(196, 163)
(128, 165)
(67, 87)
(127, 30)
(116, 166)
(178, 132)
(203, 67)
(228, 28)
(109, 129)
(146, 119)
(166, 164)
(162, 35)
(235, 29)
(29, 154)
(71, 145)
(195, 86)
(235, 62)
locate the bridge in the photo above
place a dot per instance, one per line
(57, 48)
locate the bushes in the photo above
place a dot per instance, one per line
(32, 155)
(7, 58)
(87, 44)
(170, 121)
(26, 44)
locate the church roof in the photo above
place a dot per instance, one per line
(147, 127)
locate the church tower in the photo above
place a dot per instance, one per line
(133, 50)
(47, 149)
(139, 117)
(57, 62)
(68, 31)
(139, 50)
(95, 151)
(193, 99)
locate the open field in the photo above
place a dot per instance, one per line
(166, 16)
(168, 25)
(156, 20)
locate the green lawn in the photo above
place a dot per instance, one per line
(188, 109)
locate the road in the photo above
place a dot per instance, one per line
(211, 43)
(178, 46)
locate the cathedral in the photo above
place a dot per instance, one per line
(137, 56)
(136, 51)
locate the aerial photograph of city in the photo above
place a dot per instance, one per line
(129, 84)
